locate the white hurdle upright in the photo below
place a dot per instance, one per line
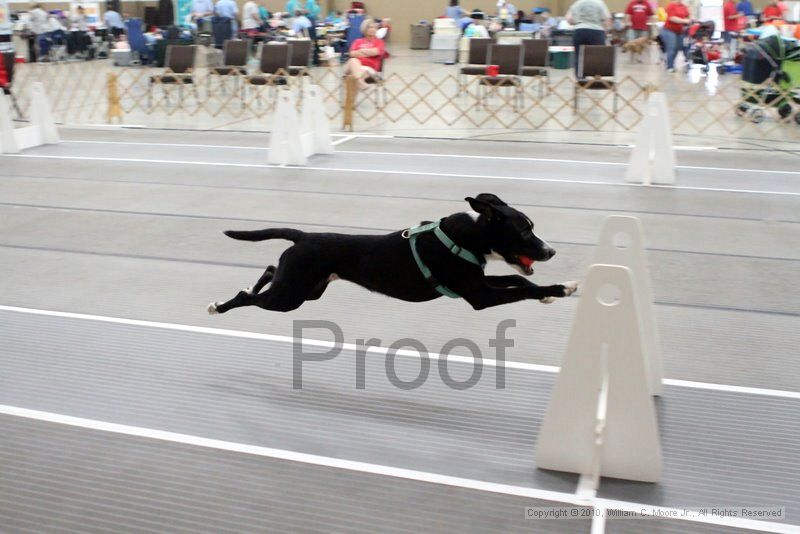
(653, 157)
(320, 125)
(295, 139)
(42, 129)
(601, 420)
(286, 144)
(622, 243)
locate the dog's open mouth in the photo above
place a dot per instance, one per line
(526, 263)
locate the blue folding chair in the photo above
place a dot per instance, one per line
(137, 41)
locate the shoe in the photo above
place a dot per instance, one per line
(671, 71)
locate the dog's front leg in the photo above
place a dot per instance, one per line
(511, 280)
(486, 296)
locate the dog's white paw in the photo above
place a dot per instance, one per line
(212, 308)
(547, 300)
(570, 288)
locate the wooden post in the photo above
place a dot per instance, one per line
(351, 91)
(114, 107)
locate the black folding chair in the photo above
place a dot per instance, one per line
(508, 57)
(596, 71)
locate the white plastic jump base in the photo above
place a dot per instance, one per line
(653, 157)
(296, 138)
(622, 243)
(601, 420)
(42, 129)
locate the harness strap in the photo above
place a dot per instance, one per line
(412, 233)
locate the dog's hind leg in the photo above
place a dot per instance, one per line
(319, 290)
(265, 279)
(242, 298)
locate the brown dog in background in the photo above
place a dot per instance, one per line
(637, 46)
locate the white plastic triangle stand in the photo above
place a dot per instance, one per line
(306, 123)
(602, 419)
(41, 116)
(42, 129)
(8, 142)
(320, 122)
(653, 157)
(286, 146)
(622, 243)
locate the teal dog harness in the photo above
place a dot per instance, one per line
(412, 233)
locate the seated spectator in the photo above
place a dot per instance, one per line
(366, 54)
(113, 21)
(301, 24)
(476, 27)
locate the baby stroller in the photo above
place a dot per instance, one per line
(771, 76)
(702, 49)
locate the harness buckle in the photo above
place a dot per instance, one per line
(405, 235)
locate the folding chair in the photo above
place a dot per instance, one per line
(179, 71)
(476, 61)
(300, 58)
(137, 42)
(234, 63)
(273, 68)
(508, 57)
(536, 58)
(596, 64)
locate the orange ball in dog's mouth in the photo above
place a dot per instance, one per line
(526, 263)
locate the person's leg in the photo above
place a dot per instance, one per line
(354, 68)
(670, 40)
(312, 34)
(31, 48)
(597, 37)
(578, 38)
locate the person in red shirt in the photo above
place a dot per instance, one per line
(3, 75)
(732, 21)
(672, 33)
(639, 13)
(771, 12)
(366, 54)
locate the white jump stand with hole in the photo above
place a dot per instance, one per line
(622, 243)
(286, 144)
(42, 129)
(653, 157)
(296, 138)
(601, 420)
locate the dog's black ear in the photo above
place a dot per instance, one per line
(482, 206)
(491, 199)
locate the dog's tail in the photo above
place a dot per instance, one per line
(270, 233)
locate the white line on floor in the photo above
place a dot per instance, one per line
(344, 140)
(794, 395)
(409, 173)
(382, 470)
(457, 156)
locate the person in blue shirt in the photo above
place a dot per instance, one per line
(312, 10)
(113, 21)
(201, 10)
(745, 8)
(292, 6)
(227, 9)
(454, 11)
